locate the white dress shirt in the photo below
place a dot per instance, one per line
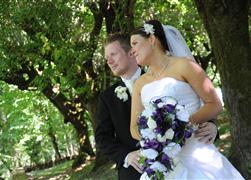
(130, 82)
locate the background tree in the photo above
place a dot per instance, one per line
(27, 122)
(43, 49)
(227, 25)
(50, 47)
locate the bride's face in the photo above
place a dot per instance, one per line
(141, 49)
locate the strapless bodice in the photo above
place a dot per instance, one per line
(168, 86)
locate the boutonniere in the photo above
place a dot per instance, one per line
(121, 93)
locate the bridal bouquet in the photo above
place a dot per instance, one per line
(163, 126)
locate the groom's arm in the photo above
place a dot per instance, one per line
(105, 135)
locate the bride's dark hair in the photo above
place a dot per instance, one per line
(158, 32)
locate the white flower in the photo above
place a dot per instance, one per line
(172, 149)
(142, 143)
(160, 105)
(161, 138)
(121, 93)
(170, 100)
(169, 134)
(144, 176)
(147, 113)
(171, 116)
(149, 153)
(147, 133)
(157, 166)
(182, 114)
(151, 123)
(148, 28)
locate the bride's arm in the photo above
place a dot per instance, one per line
(203, 86)
(136, 109)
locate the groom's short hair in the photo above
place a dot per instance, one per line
(123, 39)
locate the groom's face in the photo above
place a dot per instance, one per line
(116, 58)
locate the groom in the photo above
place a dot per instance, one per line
(112, 133)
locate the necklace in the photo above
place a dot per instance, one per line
(156, 75)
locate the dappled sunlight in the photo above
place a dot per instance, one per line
(60, 177)
(113, 166)
(225, 136)
(224, 143)
(88, 161)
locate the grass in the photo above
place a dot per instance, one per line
(60, 171)
(224, 143)
(105, 172)
(64, 171)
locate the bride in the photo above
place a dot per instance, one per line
(157, 47)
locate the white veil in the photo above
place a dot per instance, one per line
(176, 43)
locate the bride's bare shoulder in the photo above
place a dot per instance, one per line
(181, 62)
(142, 80)
(178, 60)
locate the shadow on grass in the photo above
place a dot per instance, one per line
(105, 172)
(60, 171)
(64, 171)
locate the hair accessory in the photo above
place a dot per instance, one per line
(148, 28)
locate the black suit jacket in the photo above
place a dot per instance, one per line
(112, 133)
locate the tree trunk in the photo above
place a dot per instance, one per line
(118, 17)
(92, 109)
(54, 143)
(73, 113)
(227, 25)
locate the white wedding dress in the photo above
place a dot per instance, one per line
(197, 160)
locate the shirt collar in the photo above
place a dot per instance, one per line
(135, 76)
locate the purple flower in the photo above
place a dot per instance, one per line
(177, 134)
(142, 122)
(149, 172)
(153, 144)
(164, 158)
(188, 133)
(146, 163)
(158, 116)
(158, 130)
(169, 108)
(157, 101)
(166, 161)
